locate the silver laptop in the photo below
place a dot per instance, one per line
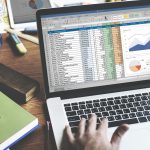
(96, 59)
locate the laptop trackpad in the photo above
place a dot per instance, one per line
(136, 139)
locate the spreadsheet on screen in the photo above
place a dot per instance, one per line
(95, 48)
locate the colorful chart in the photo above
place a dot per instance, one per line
(36, 4)
(135, 66)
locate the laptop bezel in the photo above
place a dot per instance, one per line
(91, 90)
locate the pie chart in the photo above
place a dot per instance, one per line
(135, 66)
(35, 4)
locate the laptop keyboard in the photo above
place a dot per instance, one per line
(128, 109)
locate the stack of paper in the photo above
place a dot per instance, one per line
(4, 19)
(62, 3)
(1, 17)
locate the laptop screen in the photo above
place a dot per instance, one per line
(95, 48)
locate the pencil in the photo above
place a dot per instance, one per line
(24, 36)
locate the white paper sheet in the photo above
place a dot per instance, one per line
(1, 17)
(62, 3)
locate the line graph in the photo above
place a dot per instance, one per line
(139, 42)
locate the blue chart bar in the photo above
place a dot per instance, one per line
(140, 47)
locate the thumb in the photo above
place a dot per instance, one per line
(118, 134)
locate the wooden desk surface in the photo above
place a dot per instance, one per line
(30, 65)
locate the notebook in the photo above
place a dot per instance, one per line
(15, 122)
(96, 59)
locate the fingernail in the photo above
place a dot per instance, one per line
(104, 119)
(83, 119)
(93, 115)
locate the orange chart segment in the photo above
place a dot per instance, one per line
(135, 66)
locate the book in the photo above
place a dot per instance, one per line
(15, 122)
(16, 85)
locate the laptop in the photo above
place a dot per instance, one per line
(96, 59)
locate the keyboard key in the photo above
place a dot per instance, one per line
(103, 100)
(125, 116)
(115, 107)
(88, 102)
(138, 99)
(111, 118)
(119, 111)
(67, 108)
(127, 121)
(71, 113)
(147, 107)
(148, 102)
(138, 95)
(73, 104)
(118, 117)
(124, 100)
(87, 111)
(103, 103)
(133, 109)
(144, 98)
(146, 113)
(130, 100)
(98, 115)
(122, 106)
(124, 97)
(94, 110)
(131, 96)
(142, 119)
(140, 108)
(136, 104)
(143, 103)
(84, 116)
(74, 129)
(80, 112)
(101, 109)
(96, 101)
(110, 103)
(74, 118)
(82, 106)
(129, 105)
(66, 105)
(112, 113)
(139, 114)
(75, 107)
(89, 105)
(117, 97)
(126, 110)
(145, 94)
(81, 103)
(132, 115)
(74, 124)
(96, 105)
(117, 102)
(110, 99)
(105, 113)
(108, 108)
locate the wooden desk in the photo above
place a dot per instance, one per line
(30, 65)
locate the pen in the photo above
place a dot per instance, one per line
(17, 43)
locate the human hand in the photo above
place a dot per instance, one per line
(91, 138)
